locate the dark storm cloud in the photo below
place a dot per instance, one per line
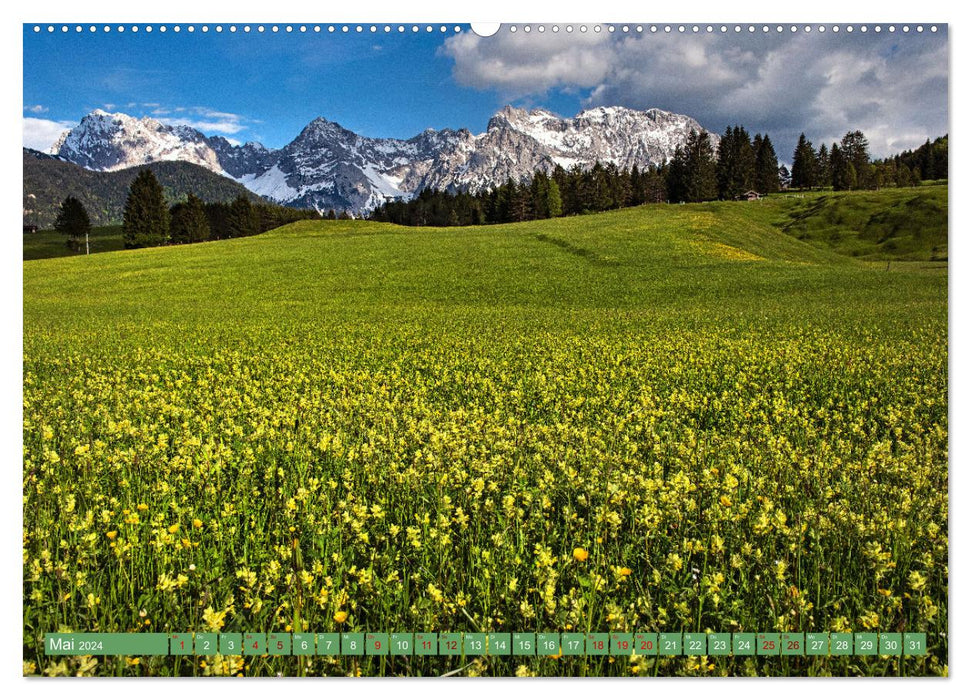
(893, 86)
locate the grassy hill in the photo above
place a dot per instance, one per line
(663, 418)
(103, 194)
(724, 254)
(893, 224)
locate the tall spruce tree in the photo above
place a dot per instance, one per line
(145, 221)
(188, 222)
(677, 180)
(243, 219)
(73, 221)
(844, 174)
(735, 169)
(804, 164)
(554, 204)
(824, 176)
(702, 185)
(856, 150)
(766, 165)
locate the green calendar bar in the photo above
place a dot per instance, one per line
(548, 644)
(329, 644)
(891, 644)
(573, 644)
(231, 644)
(207, 643)
(500, 644)
(377, 644)
(402, 643)
(793, 644)
(96, 644)
(450, 644)
(352, 644)
(645, 643)
(695, 643)
(524, 644)
(598, 644)
(669, 643)
(304, 644)
(621, 644)
(719, 644)
(841, 644)
(865, 644)
(817, 644)
(476, 643)
(426, 644)
(254, 644)
(915, 644)
(278, 644)
(743, 644)
(180, 644)
(767, 644)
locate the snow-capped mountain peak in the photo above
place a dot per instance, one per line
(328, 166)
(106, 141)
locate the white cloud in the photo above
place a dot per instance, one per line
(205, 126)
(894, 88)
(35, 109)
(204, 119)
(40, 134)
(518, 65)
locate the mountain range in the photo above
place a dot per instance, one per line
(329, 167)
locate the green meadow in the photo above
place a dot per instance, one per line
(724, 417)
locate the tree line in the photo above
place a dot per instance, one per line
(697, 172)
(561, 192)
(149, 221)
(847, 165)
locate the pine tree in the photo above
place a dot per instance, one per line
(804, 164)
(539, 192)
(595, 189)
(856, 150)
(725, 168)
(766, 166)
(735, 169)
(701, 182)
(188, 222)
(844, 174)
(835, 164)
(745, 178)
(654, 185)
(823, 174)
(146, 217)
(554, 205)
(677, 180)
(73, 221)
(242, 219)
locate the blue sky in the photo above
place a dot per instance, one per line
(268, 86)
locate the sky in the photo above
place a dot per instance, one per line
(267, 86)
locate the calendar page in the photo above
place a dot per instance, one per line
(438, 349)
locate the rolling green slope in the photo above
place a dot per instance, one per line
(893, 224)
(694, 262)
